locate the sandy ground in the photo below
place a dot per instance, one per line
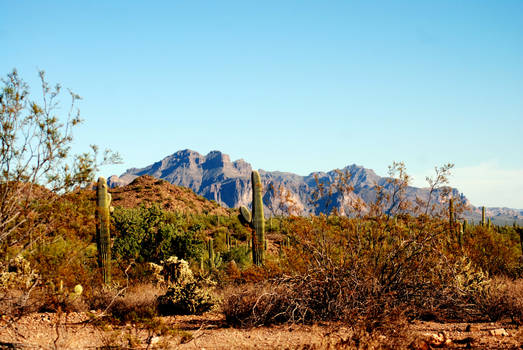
(73, 331)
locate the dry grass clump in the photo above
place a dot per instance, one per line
(137, 303)
(258, 304)
(503, 298)
(318, 296)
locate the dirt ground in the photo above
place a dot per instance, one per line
(75, 331)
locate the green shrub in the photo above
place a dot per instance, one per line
(186, 294)
(240, 255)
(152, 234)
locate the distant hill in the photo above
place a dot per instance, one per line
(215, 177)
(148, 190)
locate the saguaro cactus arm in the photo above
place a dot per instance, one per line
(245, 216)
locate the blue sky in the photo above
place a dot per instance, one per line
(290, 85)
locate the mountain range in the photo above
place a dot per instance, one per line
(215, 177)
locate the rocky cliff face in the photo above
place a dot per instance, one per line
(213, 176)
(216, 177)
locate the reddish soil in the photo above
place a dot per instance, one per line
(73, 331)
(147, 190)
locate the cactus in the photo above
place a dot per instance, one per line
(482, 216)
(451, 212)
(489, 223)
(228, 240)
(210, 251)
(76, 293)
(245, 216)
(460, 234)
(103, 235)
(465, 224)
(520, 231)
(256, 221)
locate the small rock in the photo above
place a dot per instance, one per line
(437, 339)
(154, 340)
(419, 344)
(500, 332)
(467, 329)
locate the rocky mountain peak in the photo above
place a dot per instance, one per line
(216, 177)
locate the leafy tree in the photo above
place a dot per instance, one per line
(35, 157)
(152, 235)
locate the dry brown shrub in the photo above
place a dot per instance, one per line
(503, 298)
(232, 272)
(257, 304)
(137, 303)
(366, 273)
(254, 273)
(493, 252)
(316, 297)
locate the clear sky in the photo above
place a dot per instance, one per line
(290, 85)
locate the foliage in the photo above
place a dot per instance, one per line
(69, 261)
(240, 255)
(152, 234)
(17, 273)
(186, 294)
(368, 270)
(35, 158)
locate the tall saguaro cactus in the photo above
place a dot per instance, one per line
(520, 231)
(210, 251)
(483, 216)
(451, 212)
(103, 235)
(256, 220)
(460, 234)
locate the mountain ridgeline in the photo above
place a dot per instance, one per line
(215, 177)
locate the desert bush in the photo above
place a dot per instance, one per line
(187, 294)
(52, 299)
(137, 303)
(501, 298)
(366, 271)
(152, 234)
(17, 273)
(494, 252)
(240, 255)
(189, 299)
(18, 280)
(68, 261)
